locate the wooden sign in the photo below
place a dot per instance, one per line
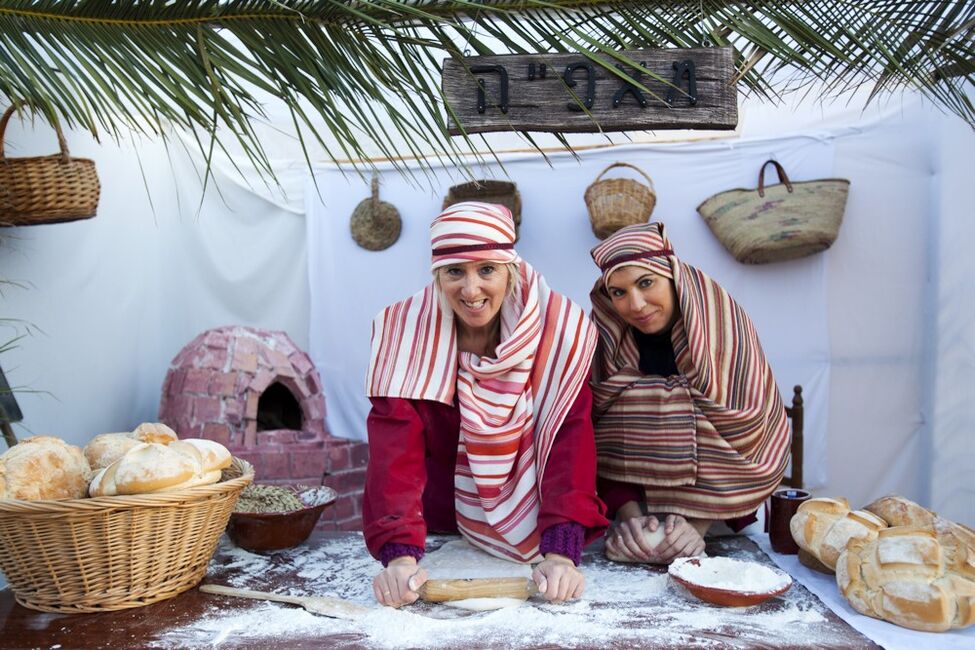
(547, 92)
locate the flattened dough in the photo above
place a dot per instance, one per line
(484, 604)
(458, 560)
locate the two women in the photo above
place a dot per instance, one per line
(480, 420)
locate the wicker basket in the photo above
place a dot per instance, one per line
(617, 202)
(778, 222)
(109, 553)
(45, 189)
(488, 191)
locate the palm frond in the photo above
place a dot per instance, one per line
(360, 76)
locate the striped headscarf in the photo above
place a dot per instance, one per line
(710, 442)
(511, 406)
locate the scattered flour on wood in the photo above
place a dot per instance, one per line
(623, 605)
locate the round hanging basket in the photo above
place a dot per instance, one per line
(617, 202)
(375, 224)
(45, 189)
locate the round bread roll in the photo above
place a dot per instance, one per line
(921, 578)
(154, 432)
(823, 527)
(146, 468)
(106, 448)
(898, 511)
(213, 454)
(43, 467)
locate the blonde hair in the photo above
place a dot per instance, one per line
(514, 277)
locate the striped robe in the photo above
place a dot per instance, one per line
(711, 442)
(511, 406)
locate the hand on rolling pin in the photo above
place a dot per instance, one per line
(396, 585)
(558, 579)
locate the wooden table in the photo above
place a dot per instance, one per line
(624, 606)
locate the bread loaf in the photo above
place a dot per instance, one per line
(148, 467)
(154, 432)
(921, 578)
(43, 467)
(898, 511)
(106, 448)
(823, 527)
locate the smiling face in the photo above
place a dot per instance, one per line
(643, 299)
(475, 291)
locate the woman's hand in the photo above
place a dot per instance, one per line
(681, 539)
(558, 579)
(396, 585)
(625, 538)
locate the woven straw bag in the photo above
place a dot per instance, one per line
(488, 191)
(375, 224)
(45, 189)
(779, 222)
(617, 202)
(110, 553)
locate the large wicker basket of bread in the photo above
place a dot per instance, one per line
(132, 519)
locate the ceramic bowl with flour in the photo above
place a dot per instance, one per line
(271, 518)
(729, 582)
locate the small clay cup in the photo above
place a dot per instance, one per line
(785, 502)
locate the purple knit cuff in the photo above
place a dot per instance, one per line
(390, 551)
(565, 539)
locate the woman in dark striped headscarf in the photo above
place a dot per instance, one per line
(690, 427)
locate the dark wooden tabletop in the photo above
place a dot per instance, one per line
(624, 606)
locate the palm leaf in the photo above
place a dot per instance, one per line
(360, 77)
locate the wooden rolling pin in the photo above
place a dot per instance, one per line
(438, 591)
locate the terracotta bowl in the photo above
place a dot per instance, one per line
(729, 597)
(273, 531)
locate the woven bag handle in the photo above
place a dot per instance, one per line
(783, 177)
(374, 185)
(623, 164)
(65, 156)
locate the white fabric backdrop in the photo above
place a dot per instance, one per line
(787, 301)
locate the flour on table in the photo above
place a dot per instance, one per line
(458, 560)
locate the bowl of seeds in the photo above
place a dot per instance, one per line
(274, 517)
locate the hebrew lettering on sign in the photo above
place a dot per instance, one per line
(686, 88)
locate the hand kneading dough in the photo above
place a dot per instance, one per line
(43, 467)
(652, 539)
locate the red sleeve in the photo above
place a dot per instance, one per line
(392, 504)
(616, 494)
(568, 488)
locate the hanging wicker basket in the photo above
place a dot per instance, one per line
(777, 222)
(110, 553)
(375, 224)
(488, 191)
(617, 202)
(45, 189)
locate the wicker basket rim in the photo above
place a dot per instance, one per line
(23, 160)
(157, 500)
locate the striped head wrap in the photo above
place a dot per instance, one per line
(472, 231)
(710, 442)
(644, 245)
(511, 406)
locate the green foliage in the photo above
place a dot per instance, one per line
(369, 69)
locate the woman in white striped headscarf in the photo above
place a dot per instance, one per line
(480, 420)
(690, 428)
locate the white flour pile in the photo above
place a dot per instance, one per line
(728, 573)
(627, 605)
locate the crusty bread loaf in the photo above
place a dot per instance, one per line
(148, 467)
(823, 527)
(43, 467)
(898, 511)
(106, 448)
(922, 578)
(213, 455)
(154, 432)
